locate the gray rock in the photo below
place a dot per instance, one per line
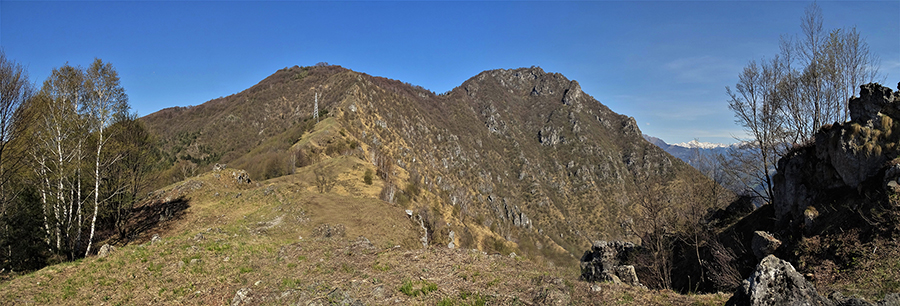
(604, 263)
(241, 177)
(241, 297)
(892, 299)
(362, 243)
(764, 244)
(105, 250)
(155, 239)
(329, 231)
(627, 274)
(378, 292)
(839, 299)
(775, 282)
(873, 99)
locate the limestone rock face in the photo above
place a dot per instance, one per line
(873, 99)
(605, 263)
(845, 155)
(775, 282)
(764, 244)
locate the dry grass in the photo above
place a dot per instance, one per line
(267, 237)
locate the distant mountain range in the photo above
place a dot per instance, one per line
(689, 151)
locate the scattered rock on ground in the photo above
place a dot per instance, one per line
(241, 297)
(329, 231)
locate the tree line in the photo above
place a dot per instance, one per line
(73, 161)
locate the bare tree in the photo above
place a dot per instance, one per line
(784, 101)
(757, 109)
(15, 90)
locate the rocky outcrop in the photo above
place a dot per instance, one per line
(241, 176)
(873, 99)
(764, 244)
(605, 263)
(844, 155)
(775, 282)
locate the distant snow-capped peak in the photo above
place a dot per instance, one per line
(702, 145)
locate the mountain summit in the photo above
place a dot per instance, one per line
(511, 160)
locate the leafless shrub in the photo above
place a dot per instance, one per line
(324, 182)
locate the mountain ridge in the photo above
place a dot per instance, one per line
(510, 158)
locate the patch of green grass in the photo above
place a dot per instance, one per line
(381, 267)
(447, 302)
(187, 260)
(414, 289)
(626, 298)
(477, 299)
(218, 248)
(347, 268)
(290, 283)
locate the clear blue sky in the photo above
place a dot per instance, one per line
(664, 62)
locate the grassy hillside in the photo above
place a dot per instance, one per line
(282, 242)
(510, 161)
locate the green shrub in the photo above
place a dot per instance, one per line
(367, 177)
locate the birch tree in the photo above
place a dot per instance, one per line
(57, 154)
(106, 102)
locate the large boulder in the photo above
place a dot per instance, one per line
(764, 244)
(605, 263)
(775, 282)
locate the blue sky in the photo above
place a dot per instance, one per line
(664, 62)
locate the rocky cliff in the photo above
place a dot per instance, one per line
(835, 214)
(511, 160)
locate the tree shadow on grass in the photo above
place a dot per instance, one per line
(154, 217)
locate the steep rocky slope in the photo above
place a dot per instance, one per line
(836, 211)
(511, 160)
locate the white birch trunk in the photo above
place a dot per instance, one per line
(96, 191)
